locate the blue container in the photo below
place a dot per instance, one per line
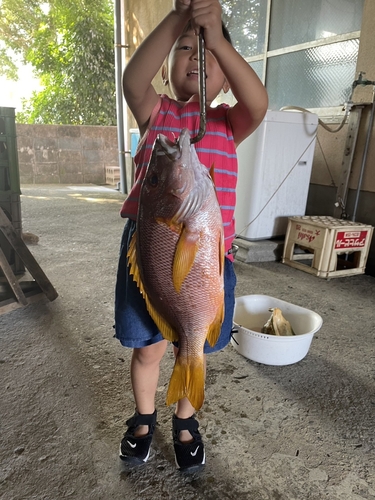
(134, 139)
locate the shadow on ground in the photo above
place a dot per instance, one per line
(303, 431)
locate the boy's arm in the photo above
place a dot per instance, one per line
(139, 93)
(251, 95)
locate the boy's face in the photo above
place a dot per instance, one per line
(183, 73)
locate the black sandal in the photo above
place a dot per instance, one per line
(136, 450)
(190, 457)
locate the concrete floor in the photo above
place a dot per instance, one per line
(303, 431)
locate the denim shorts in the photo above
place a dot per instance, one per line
(134, 326)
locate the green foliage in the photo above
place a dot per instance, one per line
(7, 65)
(70, 45)
(246, 21)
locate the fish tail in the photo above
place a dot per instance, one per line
(187, 381)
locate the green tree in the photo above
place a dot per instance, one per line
(246, 22)
(69, 43)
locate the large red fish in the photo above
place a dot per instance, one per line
(177, 259)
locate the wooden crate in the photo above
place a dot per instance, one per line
(327, 247)
(112, 175)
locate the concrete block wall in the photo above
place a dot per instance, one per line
(65, 154)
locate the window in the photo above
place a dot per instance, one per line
(305, 51)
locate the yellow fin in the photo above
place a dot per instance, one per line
(221, 253)
(165, 328)
(132, 260)
(184, 258)
(187, 380)
(215, 328)
(212, 173)
(170, 223)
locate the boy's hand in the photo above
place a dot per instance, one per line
(181, 6)
(206, 14)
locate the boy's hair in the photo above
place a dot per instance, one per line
(226, 34)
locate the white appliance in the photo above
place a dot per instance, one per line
(274, 168)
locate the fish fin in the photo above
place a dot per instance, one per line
(187, 381)
(164, 327)
(132, 260)
(212, 173)
(221, 253)
(215, 327)
(184, 257)
(172, 224)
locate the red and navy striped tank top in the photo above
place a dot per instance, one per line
(216, 148)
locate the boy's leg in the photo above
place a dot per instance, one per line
(187, 441)
(136, 444)
(184, 409)
(144, 371)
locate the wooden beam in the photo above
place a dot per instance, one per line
(26, 256)
(12, 280)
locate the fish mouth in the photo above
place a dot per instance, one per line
(174, 149)
(184, 140)
(183, 143)
(178, 150)
(165, 146)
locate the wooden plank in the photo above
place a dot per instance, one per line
(12, 280)
(26, 256)
(32, 293)
(9, 306)
(29, 287)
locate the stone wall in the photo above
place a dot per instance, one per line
(65, 154)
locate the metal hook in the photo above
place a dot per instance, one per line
(202, 89)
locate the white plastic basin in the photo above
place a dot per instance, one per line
(250, 314)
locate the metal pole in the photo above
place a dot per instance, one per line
(202, 89)
(364, 157)
(119, 98)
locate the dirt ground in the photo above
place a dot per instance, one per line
(298, 432)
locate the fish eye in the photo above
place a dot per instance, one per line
(153, 180)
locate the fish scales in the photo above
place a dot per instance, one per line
(177, 259)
